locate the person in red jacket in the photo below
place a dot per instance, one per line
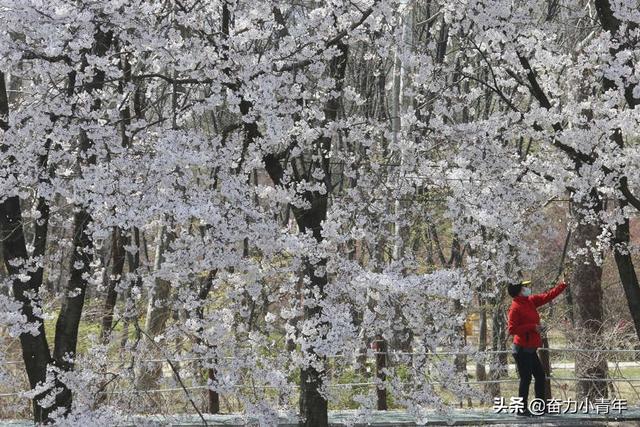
(524, 324)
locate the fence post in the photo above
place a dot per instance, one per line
(546, 366)
(381, 363)
(213, 406)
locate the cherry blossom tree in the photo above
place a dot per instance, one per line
(256, 185)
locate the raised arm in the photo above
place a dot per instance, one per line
(545, 297)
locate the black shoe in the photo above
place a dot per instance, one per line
(525, 413)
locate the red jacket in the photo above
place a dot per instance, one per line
(523, 316)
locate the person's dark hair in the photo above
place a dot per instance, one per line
(514, 289)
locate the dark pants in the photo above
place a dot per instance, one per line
(529, 365)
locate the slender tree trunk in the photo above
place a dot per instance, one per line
(481, 373)
(133, 261)
(213, 398)
(546, 366)
(4, 106)
(158, 311)
(117, 267)
(569, 299)
(68, 322)
(381, 364)
(498, 365)
(118, 241)
(460, 360)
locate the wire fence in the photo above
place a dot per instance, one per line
(391, 354)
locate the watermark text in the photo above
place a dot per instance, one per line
(560, 406)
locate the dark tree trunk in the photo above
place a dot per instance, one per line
(569, 299)
(133, 261)
(627, 271)
(313, 406)
(623, 259)
(117, 242)
(546, 366)
(498, 364)
(460, 360)
(42, 223)
(381, 364)
(67, 325)
(213, 398)
(35, 349)
(481, 373)
(4, 105)
(117, 267)
(586, 280)
(158, 311)
(68, 322)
